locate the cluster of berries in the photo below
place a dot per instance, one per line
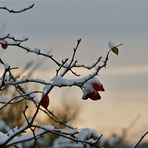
(91, 89)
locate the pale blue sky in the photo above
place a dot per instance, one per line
(68, 17)
(58, 24)
(123, 21)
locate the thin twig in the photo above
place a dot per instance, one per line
(72, 59)
(63, 62)
(30, 126)
(140, 140)
(17, 11)
(12, 101)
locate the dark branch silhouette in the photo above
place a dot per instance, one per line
(17, 11)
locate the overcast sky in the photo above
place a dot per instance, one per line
(57, 25)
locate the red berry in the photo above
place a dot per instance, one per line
(4, 44)
(98, 86)
(94, 95)
(45, 101)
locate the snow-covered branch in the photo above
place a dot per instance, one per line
(83, 136)
(31, 130)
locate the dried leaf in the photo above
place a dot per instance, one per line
(115, 50)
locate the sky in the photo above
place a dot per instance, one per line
(56, 26)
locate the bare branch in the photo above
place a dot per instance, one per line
(17, 99)
(30, 126)
(65, 66)
(89, 67)
(62, 65)
(52, 116)
(17, 11)
(33, 51)
(140, 140)
(72, 59)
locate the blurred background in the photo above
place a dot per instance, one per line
(55, 26)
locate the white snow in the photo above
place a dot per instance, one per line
(3, 137)
(114, 140)
(86, 134)
(111, 44)
(58, 80)
(87, 89)
(6, 79)
(46, 88)
(69, 124)
(69, 131)
(48, 127)
(88, 86)
(66, 65)
(4, 100)
(4, 126)
(36, 50)
(6, 65)
(62, 142)
(32, 96)
(13, 130)
(94, 79)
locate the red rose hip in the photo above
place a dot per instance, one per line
(4, 45)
